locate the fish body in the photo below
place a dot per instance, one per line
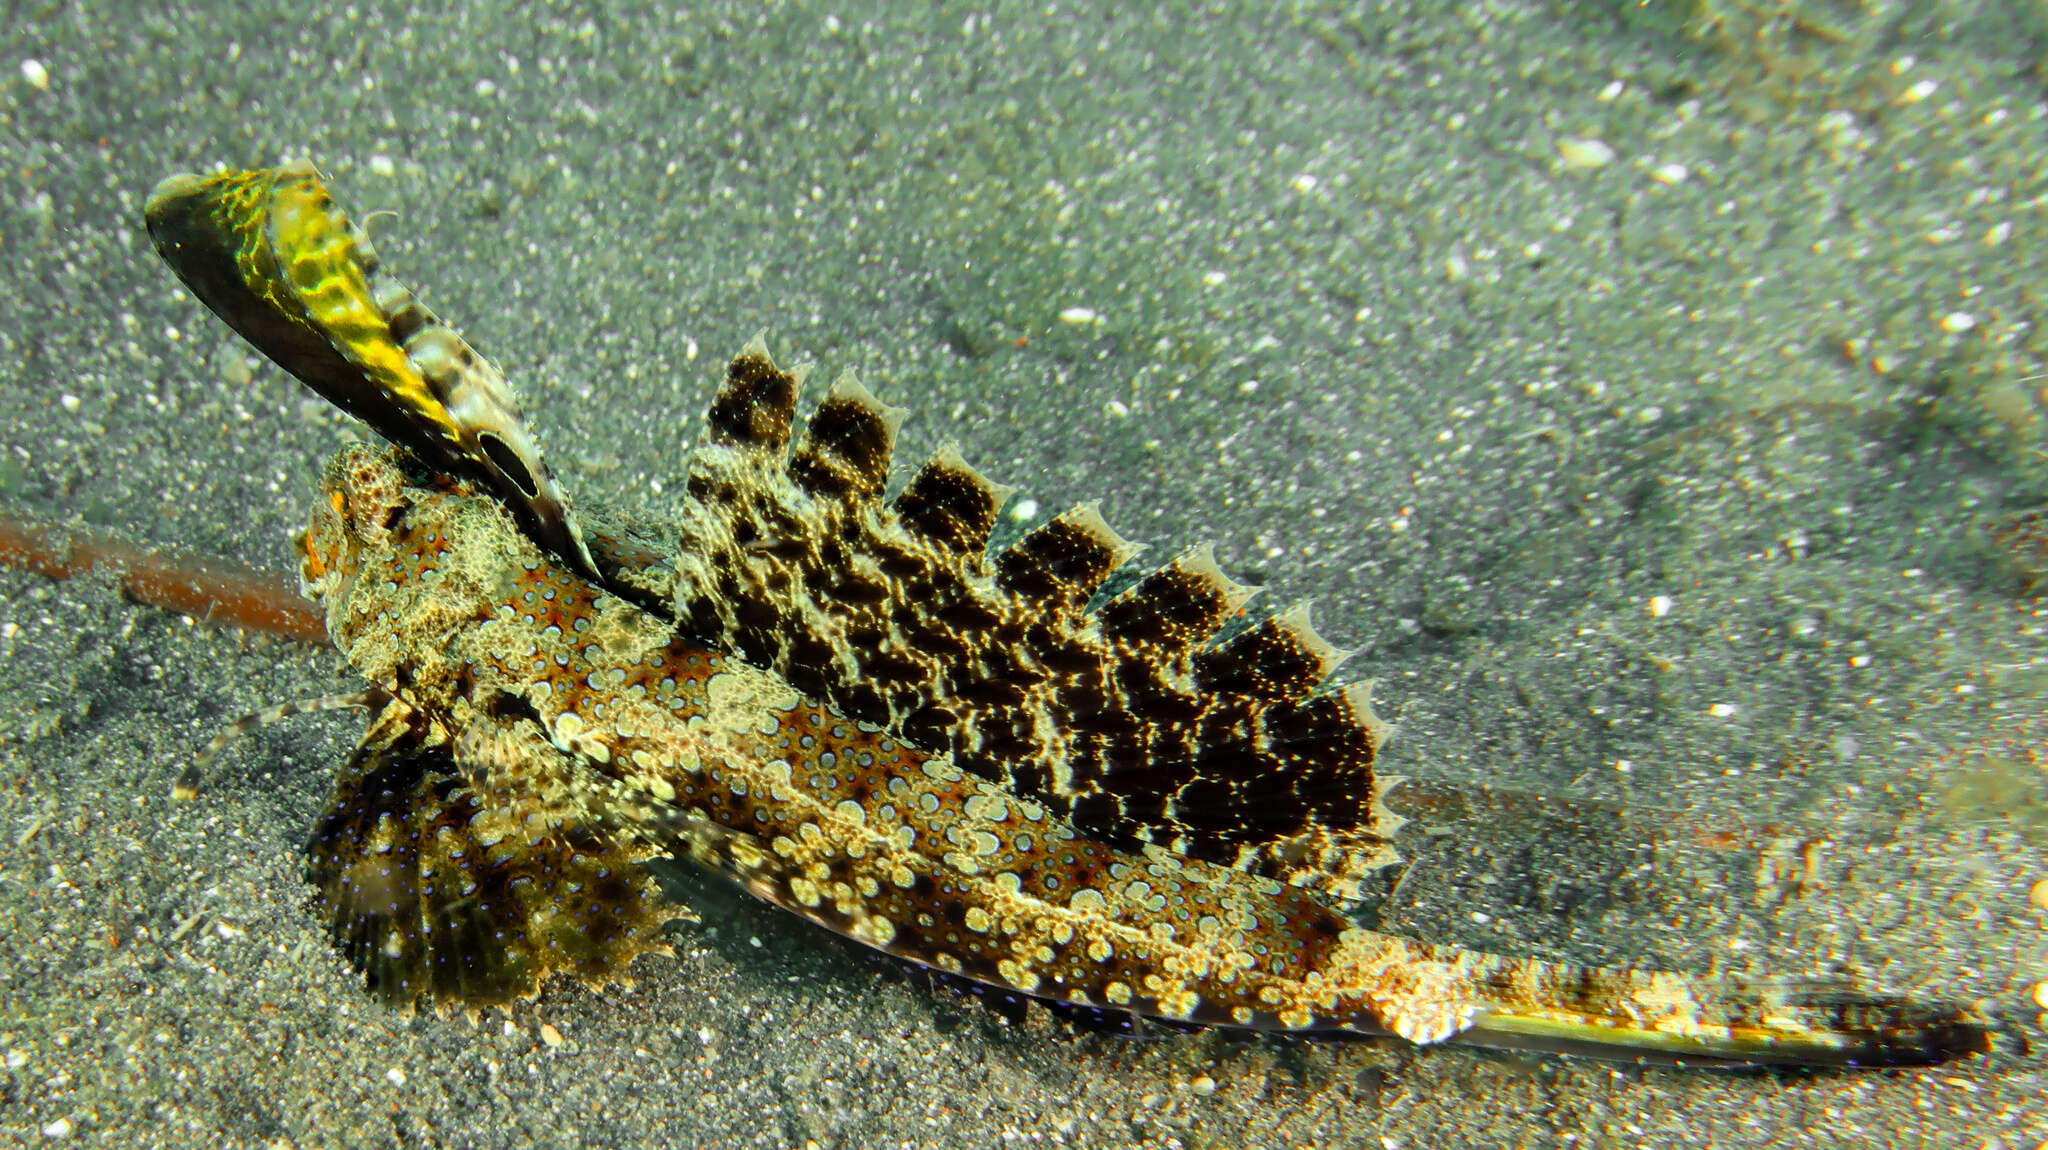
(847, 705)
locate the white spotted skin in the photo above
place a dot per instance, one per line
(840, 824)
(575, 708)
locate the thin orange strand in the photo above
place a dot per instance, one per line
(215, 590)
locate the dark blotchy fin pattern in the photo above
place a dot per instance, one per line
(434, 893)
(1126, 720)
(537, 738)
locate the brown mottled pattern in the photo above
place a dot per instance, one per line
(544, 737)
(590, 721)
(1125, 720)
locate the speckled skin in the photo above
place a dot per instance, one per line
(583, 715)
(854, 710)
(593, 713)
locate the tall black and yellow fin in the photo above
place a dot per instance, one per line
(439, 893)
(271, 253)
(1130, 720)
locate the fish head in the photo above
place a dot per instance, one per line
(363, 497)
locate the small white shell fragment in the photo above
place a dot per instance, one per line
(1581, 154)
(1957, 322)
(2037, 894)
(1117, 409)
(1671, 173)
(1305, 182)
(1215, 278)
(1918, 92)
(38, 77)
(1660, 606)
(232, 368)
(1024, 510)
(59, 1130)
(1722, 710)
(68, 401)
(1079, 316)
(2040, 995)
(395, 1076)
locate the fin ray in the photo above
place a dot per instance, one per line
(1179, 606)
(1067, 557)
(434, 893)
(1125, 720)
(951, 503)
(845, 449)
(756, 405)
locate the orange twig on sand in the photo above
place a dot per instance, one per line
(215, 590)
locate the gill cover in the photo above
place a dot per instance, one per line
(270, 252)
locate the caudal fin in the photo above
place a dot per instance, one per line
(1832, 1030)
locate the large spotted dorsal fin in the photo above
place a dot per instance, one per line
(1131, 720)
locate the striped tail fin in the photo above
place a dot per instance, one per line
(1789, 1025)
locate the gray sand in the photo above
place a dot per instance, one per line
(1574, 452)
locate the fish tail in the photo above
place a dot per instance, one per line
(1735, 1027)
(1435, 993)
